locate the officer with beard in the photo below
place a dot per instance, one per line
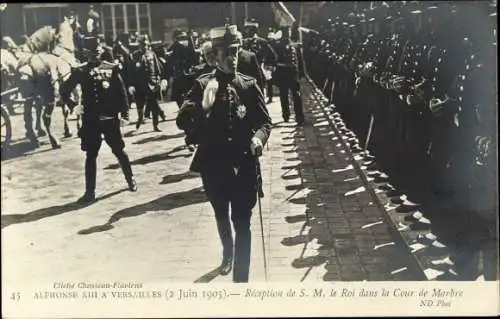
(147, 80)
(209, 57)
(104, 97)
(182, 59)
(289, 70)
(228, 111)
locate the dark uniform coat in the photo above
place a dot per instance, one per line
(249, 65)
(103, 90)
(238, 114)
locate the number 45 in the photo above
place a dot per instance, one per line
(15, 296)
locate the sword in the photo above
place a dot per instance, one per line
(259, 193)
(368, 136)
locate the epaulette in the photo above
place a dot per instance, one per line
(81, 65)
(247, 78)
(206, 75)
(109, 65)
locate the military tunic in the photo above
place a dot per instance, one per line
(229, 170)
(145, 76)
(103, 98)
(289, 70)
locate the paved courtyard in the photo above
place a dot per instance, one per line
(320, 221)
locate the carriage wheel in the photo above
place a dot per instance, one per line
(6, 128)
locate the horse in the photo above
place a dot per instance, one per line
(8, 65)
(40, 74)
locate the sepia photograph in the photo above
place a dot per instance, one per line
(214, 146)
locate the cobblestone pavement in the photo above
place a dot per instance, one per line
(320, 222)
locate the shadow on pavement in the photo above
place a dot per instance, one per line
(155, 157)
(175, 178)
(20, 149)
(135, 133)
(38, 214)
(158, 138)
(208, 277)
(333, 221)
(447, 236)
(164, 203)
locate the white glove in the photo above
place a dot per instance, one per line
(163, 85)
(78, 110)
(209, 94)
(256, 146)
(131, 90)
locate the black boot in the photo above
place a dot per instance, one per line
(242, 255)
(226, 265)
(87, 198)
(226, 238)
(127, 170)
(90, 181)
(155, 123)
(286, 117)
(163, 116)
(132, 184)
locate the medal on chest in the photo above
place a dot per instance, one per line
(241, 111)
(102, 76)
(231, 99)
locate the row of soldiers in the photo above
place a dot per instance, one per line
(416, 81)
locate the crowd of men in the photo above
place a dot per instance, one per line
(218, 82)
(416, 81)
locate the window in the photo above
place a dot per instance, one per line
(126, 17)
(38, 15)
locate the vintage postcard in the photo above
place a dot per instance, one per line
(249, 159)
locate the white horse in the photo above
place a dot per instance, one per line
(40, 74)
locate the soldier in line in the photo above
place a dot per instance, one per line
(266, 56)
(147, 79)
(228, 111)
(104, 98)
(289, 71)
(268, 74)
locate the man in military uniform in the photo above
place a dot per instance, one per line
(248, 63)
(92, 26)
(228, 112)
(182, 58)
(124, 58)
(66, 40)
(147, 80)
(104, 97)
(289, 70)
(266, 57)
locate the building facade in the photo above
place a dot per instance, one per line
(159, 19)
